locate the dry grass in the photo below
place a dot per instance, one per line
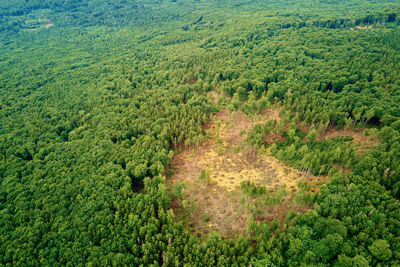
(273, 114)
(369, 27)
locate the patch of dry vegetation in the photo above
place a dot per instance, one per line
(213, 173)
(369, 27)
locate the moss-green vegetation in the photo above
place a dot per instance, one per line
(251, 189)
(205, 176)
(96, 95)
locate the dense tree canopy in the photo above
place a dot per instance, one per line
(95, 97)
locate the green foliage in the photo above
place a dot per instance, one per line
(205, 176)
(275, 198)
(388, 134)
(188, 206)
(251, 189)
(317, 157)
(380, 249)
(237, 149)
(178, 191)
(304, 196)
(96, 95)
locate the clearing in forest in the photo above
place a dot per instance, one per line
(213, 173)
(361, 142)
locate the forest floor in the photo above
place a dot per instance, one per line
(220, 204)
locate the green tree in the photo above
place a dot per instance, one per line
(380, 249)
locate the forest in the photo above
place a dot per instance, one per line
(102, 102)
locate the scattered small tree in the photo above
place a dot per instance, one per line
(205, 176)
